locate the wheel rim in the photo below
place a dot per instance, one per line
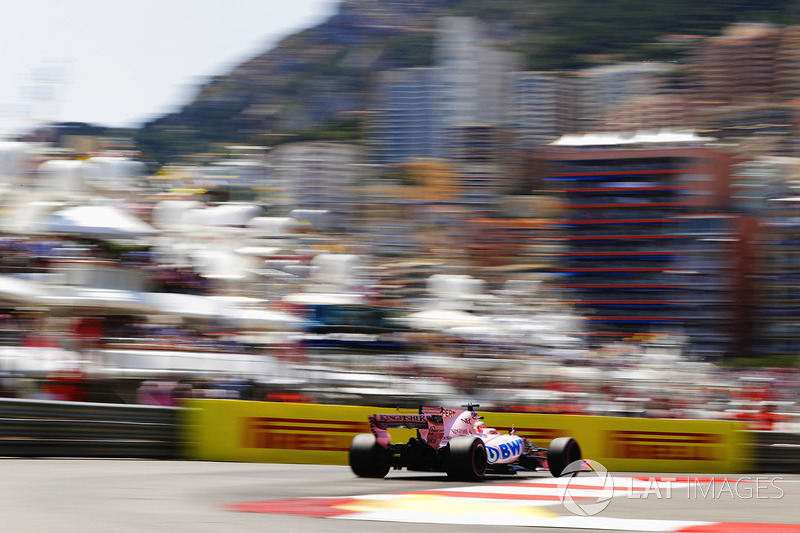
(573, 453)
(479, 460)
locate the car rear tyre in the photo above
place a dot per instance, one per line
(562, 452)
(367, 457)
(466, 459)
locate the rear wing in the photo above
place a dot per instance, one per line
(398, 421)
(430, 424)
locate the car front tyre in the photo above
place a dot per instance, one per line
(562, 452)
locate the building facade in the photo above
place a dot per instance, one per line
(647, 242)
(602, 92)
(474, 73)
(318, 176)
(407, 115)
(741, 66)
(540, 107)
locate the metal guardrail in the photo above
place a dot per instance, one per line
(776, 452)
(42, 428)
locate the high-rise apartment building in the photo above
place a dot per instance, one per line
(762, 128)
(743, 65)
(474, 75)
(408, 115)
(647, 241)
(748, 81)
(318, 176)
(482, 175)
(414, 109)
(789, 62)
(766, 191)
(474, 72)
(540, 107)
(602, 92)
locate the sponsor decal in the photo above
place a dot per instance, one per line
(384, 421)
(665, 445)
(435, 434)
(400, 419)
(493, 454)
(298, 434)
(504, 451)
(511, 449)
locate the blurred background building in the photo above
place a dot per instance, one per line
(315, 176)
(426, 227)
(541, 107)
(409, 115)
(649, 243)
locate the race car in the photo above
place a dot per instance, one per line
(456, 442)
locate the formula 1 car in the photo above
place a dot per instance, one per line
(454, 441)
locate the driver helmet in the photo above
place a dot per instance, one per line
(479, 426)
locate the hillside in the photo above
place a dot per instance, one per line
(313, 83)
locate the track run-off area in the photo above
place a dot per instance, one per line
(98, 495)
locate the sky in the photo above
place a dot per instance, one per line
(122, 62)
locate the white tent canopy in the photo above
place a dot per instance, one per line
(186, 305)
(112, 300)
(169, 213)
(324, 298)
(442, 319)
(213, 307)
(20, 291)
(220, 215)
(264, 320)
(98, 221)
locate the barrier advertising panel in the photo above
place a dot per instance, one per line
(642, 444)
(232, 430)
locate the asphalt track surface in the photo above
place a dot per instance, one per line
(98, 495)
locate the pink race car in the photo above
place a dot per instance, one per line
(457, 442)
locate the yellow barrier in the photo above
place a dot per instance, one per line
(231, 430)
(642, 444)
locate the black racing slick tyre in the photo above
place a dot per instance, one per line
(367, 457)
(562, 452)
(467, 459)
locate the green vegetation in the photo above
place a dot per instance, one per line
(339, 129)
(627, 29)
(777, 361)
(163, 145)
(497, 10)
(411, 49)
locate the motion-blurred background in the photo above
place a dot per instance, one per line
(564, 206)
